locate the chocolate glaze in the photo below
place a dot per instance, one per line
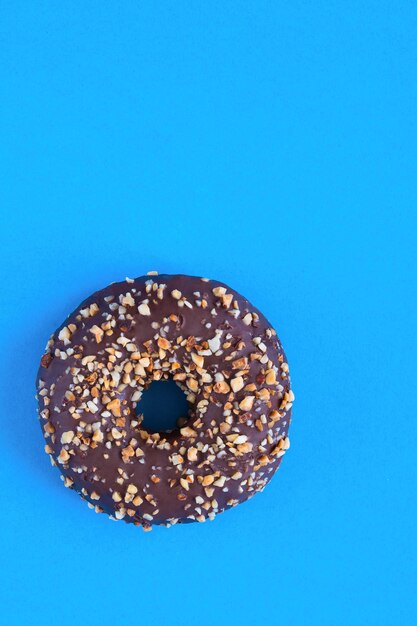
(220, 350)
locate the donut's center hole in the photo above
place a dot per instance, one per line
(164, 407)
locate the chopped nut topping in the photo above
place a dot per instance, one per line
(198, 360)
(221, 387)
(64, 334)
(192, 454)
(67, 437)
(270, 378)
(63, 456)
(127, 300)
(227, 300)
(247, 403)
(46, 360)
(237, 384)
(192, 384)
(164, 343)
(263, 460)
(114, 407)
(144, 309)
(116, 433)
(240, 364)
(98, 436)
(177, 459)
(184, 484)
(97, 332)
(127, 453)
(188, 432)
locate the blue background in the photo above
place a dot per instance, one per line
(270, 145)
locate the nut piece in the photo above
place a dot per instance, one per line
(192, 454)
(237, 383)
(192, 384)
(127, 300)
(116, 433)
(221, 387)
(197, 359)
(98, 436)
(97, 332)
(49, 428)
(114, 407)
(67, 437)
(247, 320)
(188, 432)
(127, 453)
(46, 360)
(227, 300)
(214, 344)
(176, 294)
(270, 377)
(163, 343)
(144, 309)
(240, 364)
(263, 460)
(63, 456)
(247, 403)
(64, 334)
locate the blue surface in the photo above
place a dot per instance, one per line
(270, 145)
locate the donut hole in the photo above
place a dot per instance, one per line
(164, 407)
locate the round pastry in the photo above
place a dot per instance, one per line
(222, 353)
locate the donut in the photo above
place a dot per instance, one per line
(218, 348)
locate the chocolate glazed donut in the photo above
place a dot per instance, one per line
(222, 353)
